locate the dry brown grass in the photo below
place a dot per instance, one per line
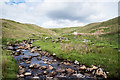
(79, 48)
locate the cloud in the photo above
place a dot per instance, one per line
(59, 13)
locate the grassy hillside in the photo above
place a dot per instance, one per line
(109, 26)
(12, 29)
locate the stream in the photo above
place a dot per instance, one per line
(35, 64)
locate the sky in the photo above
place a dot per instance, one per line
(59, 13)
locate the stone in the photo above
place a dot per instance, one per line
(18, 76)
(94, 67)
(28, 62)
(44, 59)
(53, 73)
(45, 72)
(35, 77)
(79, 75)
(54, 60)
(50, 67)
(43, 67)
(70, 70)
(76, 62)
(31, 66)
(21, 71)
(39, 49)
(36, 66)
(99, 72)
(66, 63)
(60, 70)
(20, 67)
(50, 62)
(45, 62)
(28, 74)
(32, 50)
(21, 47)
(86, 74)
(21, 76)
(105, 75)
(89, 69)
(54, 54)
(83, 67)
(49, 78)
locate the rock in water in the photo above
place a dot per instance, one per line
(50, 67)
(35, 77)
(28, 74)
(43, 67)
(69, 70)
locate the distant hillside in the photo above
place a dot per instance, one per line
(12, 29)
(110, 26)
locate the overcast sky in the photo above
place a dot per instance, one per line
(58, 13)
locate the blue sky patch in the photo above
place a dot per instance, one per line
(12, 2)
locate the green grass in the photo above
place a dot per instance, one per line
(12, 29)
(9, 66)
(101, 53)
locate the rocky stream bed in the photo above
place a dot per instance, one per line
(36, 64)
